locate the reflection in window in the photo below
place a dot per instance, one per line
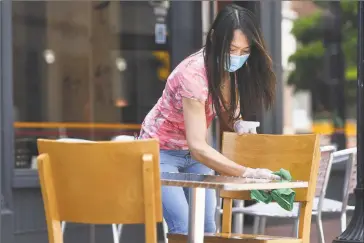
(83, 69)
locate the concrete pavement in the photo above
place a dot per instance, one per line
(279, 227)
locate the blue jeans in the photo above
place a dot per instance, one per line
(175, 199)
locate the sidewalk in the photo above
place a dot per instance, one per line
(279, 227)
(283, 227)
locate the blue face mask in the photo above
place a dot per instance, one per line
(236, 62)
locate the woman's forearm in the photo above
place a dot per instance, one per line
(216, 161)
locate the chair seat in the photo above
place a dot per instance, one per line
(330, 206)
(234, 238)
(274, 210)
(268, 210)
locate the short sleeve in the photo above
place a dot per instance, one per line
(193, 85)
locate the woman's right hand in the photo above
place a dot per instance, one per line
(260, 173)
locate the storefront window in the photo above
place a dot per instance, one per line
(83, 69)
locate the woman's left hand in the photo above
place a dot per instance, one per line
(246, 127)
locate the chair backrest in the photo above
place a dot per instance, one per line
(350, 179)
(299, 154)
(353, 171)
(295, 153)
(324, 170)
(100, 183)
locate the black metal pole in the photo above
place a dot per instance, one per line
(354, 231)
(336, 75)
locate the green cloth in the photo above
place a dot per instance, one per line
(284, 197)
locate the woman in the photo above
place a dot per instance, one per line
(231, 76)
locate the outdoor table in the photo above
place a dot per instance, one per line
(198, 185)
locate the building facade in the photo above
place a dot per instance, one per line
(86, 69)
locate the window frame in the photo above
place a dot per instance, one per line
(6, 122)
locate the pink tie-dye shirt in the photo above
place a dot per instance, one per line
(165, 121)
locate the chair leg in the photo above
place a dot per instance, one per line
(165, 231)
(343, 221)
(218, 212)
(218, 220)
(263, 223)
(120, 230)
(256, 225)
(295, 227)
(63, 226)
(115, 232)
(238, 222)
(238, 218)
(320, 228)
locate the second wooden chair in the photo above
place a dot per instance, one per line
(299, 154)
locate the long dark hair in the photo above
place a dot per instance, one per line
(255, 80)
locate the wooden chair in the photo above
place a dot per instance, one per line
(262, 211)
(300, 154)
(100, 183)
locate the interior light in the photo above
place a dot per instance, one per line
(49, 56)
(120, 64)
(121, 103)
